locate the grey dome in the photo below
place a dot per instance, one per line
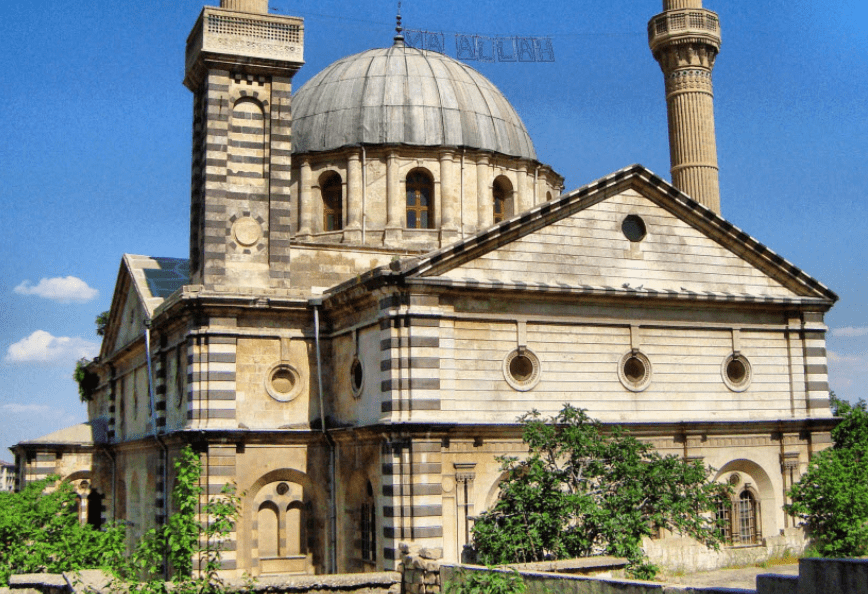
(403, 95)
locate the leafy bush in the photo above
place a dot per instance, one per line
(486, 582)
(832, 496)
(40, 532)
(583, 490)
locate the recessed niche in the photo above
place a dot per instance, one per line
(283, 382)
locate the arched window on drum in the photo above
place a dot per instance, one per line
(331, 190)
(420, 200)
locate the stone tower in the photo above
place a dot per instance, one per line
(239, 65)
(685, 40)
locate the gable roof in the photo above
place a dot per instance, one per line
(81, 434)
(433, 268)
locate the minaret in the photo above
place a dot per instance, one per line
(685, 40)
(239, 66)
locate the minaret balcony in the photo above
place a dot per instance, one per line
(230, 37)
(684, 25)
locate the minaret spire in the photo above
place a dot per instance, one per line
(685, 40)
(399, 28)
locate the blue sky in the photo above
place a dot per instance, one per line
(95, 149)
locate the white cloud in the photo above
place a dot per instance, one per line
(63, 289)
(42, 347)
(850, 332)
(17, 409)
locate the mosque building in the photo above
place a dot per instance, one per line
(383, 276)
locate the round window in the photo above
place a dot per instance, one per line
(634, 371)
(633, 228)
(736, 372)
(521, 370)
(283, 382)
(357, 377)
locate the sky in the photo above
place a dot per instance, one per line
(96, 129)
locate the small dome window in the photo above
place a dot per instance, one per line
(634, 371)
(633, 228)
(357, 377)
(521, 369)
(736, 372)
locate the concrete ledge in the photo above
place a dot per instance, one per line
(777, 584)
(347, 582)
(38, 581)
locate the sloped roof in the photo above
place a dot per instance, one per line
(157, 278)
(81, 434)
(430, 268)
(404, 95)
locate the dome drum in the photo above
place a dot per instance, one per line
(415, 198)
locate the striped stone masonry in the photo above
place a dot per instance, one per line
(280, 210)
(212, 226)
(411, 478)
(112, 420)
(816, 370)
(218, 470)
(409, 364)
(160, 500)
(211, 381)
(160, 367)
(241, 216)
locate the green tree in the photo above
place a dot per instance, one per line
(585, 490)
(101, 322)
(184, 539)
(40, 532)
(832, 496)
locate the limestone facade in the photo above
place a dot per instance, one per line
(358, 383)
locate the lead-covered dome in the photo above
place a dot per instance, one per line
(403, 95)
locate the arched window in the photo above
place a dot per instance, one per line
(331, 188)
(502, 191)
(94, 509)
(420, 200)
(747, 518)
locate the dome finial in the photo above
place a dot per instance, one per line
(399, 29)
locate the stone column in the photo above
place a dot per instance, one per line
(353, 229)
(305, 200)
(685, 40)
(523, 200)
(484, 197)
(395, 211)
(448, 206)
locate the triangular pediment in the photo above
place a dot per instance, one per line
(577, 243)
(143, 285)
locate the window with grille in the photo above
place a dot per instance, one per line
(747, 518)
(420, 205)
(723, 515)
